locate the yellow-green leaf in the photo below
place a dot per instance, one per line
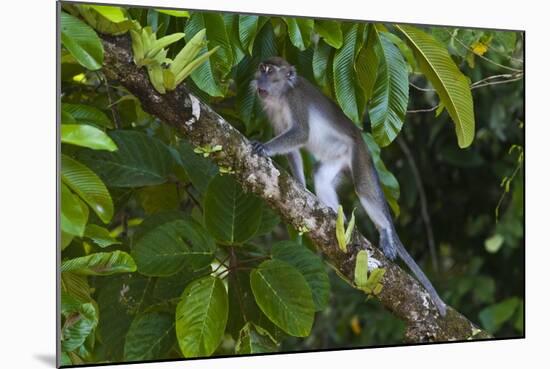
(452, 87)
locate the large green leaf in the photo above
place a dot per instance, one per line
(253, 339)
(140, 160)
(330, 31)
(390, 97)
(310, 265)
(150, 337)
(86, 136)
(366, 66)
(85, 114)
(211, 75)
(345, 86)
(88, 186)
(452, 87)
(494, 316)
(389, 183)
(201, 316)
(74, 213)
(80, 319)
(100, 236)
(321, 62)
(81, 41)
(166, 248)
(231, 215)
(174, 13)
(249, 25)
(299, 31)
(283, 294)
(101, 263)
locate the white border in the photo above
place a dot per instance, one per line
(28, 210)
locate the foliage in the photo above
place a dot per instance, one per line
(176, 260)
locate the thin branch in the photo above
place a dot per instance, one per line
(496, 83)
(483, 57)
(421, 88)
(427, 110)
(423, 202)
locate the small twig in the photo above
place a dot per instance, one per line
(496, 83)
(427, 110)
(423, 202)
(421, 88)
(112, 107)
(483, 57)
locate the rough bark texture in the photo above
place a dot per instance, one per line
(200, 125)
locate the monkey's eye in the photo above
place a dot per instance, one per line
(262, 68)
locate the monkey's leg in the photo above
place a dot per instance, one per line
(325, 179)
(371, 196)
(297, 166)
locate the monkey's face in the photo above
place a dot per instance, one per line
(274, 80)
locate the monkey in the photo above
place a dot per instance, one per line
(303, 117)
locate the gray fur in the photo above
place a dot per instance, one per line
(302, 117)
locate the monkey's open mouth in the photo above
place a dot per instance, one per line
(262, 92)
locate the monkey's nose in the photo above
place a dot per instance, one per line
(262, 92)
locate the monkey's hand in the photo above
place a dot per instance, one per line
(258, 148)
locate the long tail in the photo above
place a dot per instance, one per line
(413, 266)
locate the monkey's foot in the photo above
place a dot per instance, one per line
(258, 148)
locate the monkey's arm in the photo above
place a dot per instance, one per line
(288, 141)
(297, 166)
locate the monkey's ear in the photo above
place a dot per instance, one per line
(291, 75)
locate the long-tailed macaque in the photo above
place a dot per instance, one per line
(302, 117)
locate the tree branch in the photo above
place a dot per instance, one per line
(200, 125)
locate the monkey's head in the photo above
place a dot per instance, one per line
(274, 77)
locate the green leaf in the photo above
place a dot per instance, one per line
(282, 293)
(494, 316)
(80, 319)
(174, 13)
(388, 106)
(155, 199)
(253, 339)
(330, 31)
(74, 213)
(309, 265)
(299, 31)
(366, 66)
(189, 52)
(100, 236)
(101, 263)
(452, 87)
(248, 28)
(164, 248)
(344, 75)
(140, 160)
(150, 337)
(321, 63)
(201, 316)
(85, 114)
(81, 41)
(88, 186)
(211, 75)
(86, 136)
(199, 170)
(361, 273)
(106, 19)
(112, 13)
(231, 215)
(162, 43)
(171, 287)
(350, 227)
(340, 231)
(494, 243)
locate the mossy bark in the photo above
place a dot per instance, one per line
(201, 126)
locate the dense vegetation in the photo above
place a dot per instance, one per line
(165, 256)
